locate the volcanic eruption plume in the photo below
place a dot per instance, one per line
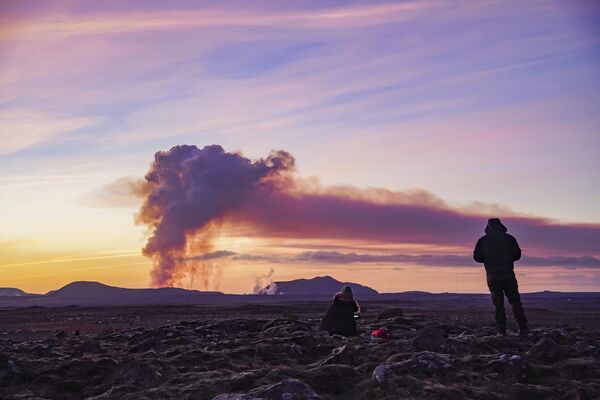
(190, 191)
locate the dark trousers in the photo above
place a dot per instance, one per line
(510, 289)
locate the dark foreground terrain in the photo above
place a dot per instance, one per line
(440, 350)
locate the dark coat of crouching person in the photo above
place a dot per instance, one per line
(339, 318)
(498, 251)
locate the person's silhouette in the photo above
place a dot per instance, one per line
(498, 251)
(339, 318)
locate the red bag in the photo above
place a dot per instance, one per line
(381, 333)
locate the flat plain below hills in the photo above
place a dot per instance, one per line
(442, 348)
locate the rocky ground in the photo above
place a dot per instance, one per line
(274, 352)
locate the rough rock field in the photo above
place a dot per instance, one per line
(274, 352)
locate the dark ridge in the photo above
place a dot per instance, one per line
(319, 285)
(12, 292)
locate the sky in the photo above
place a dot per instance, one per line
(468, 109)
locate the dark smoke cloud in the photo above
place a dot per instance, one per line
(331, 216)
(191, 192)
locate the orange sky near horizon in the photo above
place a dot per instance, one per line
(128, 268)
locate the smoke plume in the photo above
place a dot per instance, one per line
(190, 193)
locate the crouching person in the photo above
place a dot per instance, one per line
(339, 318)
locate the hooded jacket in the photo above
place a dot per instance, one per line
(498, 251)
(339, 317)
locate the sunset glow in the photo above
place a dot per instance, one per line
(409, 123)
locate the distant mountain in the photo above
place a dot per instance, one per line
(7, 291)
(83, 292)
(85, 288)
(96, 289)
(319, 286)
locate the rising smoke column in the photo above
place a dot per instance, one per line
(190, 190)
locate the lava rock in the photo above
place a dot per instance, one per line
(150, 341)
(505, 360)
(235, 396)
(238, 325)
(331, 378)
(432, 361)
(439, 391)
(273, 351)
(90, 346)
(288, 389)
(242, 381)
(514, 366)
(381, 372)
(430, 338)
(532, 392)
(582, 367)
(284, 327)
(561, 336)
(339, 355)
(545, 350)
(8, 368)
(425, 362)
(138, 373)
(390, 313)
(60, 335)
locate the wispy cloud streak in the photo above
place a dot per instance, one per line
(63, 26)
(452, 260)
(438, 260)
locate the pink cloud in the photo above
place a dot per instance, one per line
(330, 216)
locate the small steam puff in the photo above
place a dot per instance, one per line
(259, 281)
(190, 191)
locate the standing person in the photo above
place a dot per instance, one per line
(498, 251)
(339, 317)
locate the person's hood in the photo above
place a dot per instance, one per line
(343, 296)
(494, 225)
